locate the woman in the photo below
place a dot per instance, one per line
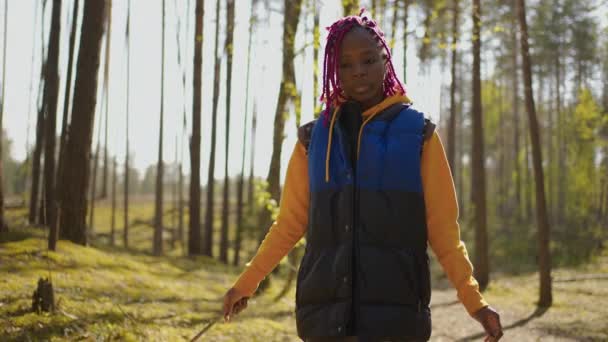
(370, 186)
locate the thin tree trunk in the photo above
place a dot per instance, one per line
(113, 217)
(405, 35)
(544, 253)
(29, 97)
(241, 183)
(460, 141)
(250, 186)
(478, 181)
(3, 225)
(315, 56)
(290, 27)
(66, 102)
(515, 112)
(75, 173)
(51, 119)
(452, 121)
(561, 156)
(394, 25)
(125, 232)
(225, 205)
(93, 188)
(104, 180)
(180, 206)
(35, 190)
(210, 203)
(42, 90)
(157, 248)
(194, 232)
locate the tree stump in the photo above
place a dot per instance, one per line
(43, 298)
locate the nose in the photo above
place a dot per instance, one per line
(359, 70)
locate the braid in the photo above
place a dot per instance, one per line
(332, 91)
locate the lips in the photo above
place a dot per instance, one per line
(361, 89)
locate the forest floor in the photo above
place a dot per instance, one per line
(108, 293)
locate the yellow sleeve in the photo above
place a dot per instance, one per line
(287, 230)
(442, 224)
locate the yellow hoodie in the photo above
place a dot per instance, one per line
(441, 219)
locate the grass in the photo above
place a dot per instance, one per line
(116, 295)
(120, 294)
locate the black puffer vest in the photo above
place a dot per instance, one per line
(365, 271)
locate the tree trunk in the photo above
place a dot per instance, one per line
(405, 35)
(125, 232)
(194, 226)
(35, 190)
(393, 36)
(210, 207)
(157, 248)
(113, 217)
(225, 205)
(561, 157)
(93, 187)
(104, 179)
(180, 206)
(452, 121)
(544, 253)
(66, 102)
(516, 203)
(42, 89)
(75, 174)
(315, 56)
(51, 118)
(290, 27)
(3, 225)
(241, 182)
(250, 186)
(478, 181)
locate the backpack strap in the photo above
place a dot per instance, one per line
(305, 133)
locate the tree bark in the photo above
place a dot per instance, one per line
(125, 232)
(66, 102)
(544, 253)
(75, 174)
(157, 248)
(241, 182)
(250, 186)
(210, 203)
(113, 217)
(104, 179)
(405, 35)
(3, 225)
(290, 27)
(194, 226)
(452, 122)
(225, 205)
(51, 119)
(315, 56)
(478, 181)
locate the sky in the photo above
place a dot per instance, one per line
(24, 38)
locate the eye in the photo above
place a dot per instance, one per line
(370, 61)
(345, 65)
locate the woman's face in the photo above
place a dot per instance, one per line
(361, 68)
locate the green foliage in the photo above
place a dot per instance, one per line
(14, 173)
(582, 132)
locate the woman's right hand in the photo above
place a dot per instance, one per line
(234, 303)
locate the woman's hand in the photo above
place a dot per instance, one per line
(490, 320)
(234, 303)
